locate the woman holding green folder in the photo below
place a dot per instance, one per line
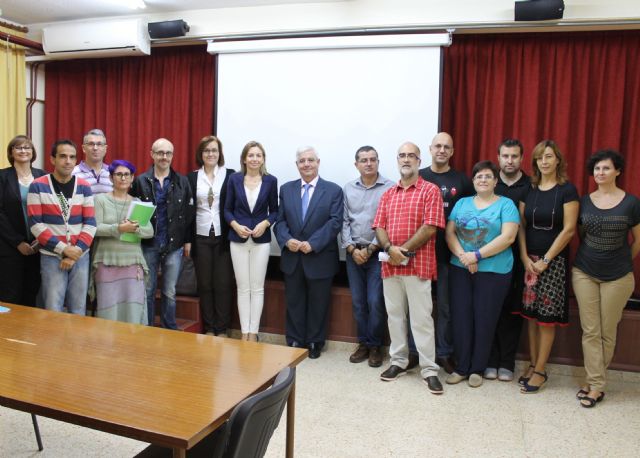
(118, 266)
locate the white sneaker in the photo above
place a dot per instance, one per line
(475, 380)
(491, 373)
(504, 375)
(454, 378)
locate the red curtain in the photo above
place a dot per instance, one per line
(580, 89)
(134, 100)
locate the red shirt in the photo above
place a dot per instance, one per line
(401, 213)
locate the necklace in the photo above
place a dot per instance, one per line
(120, 209)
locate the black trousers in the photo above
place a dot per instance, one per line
(214, 273)
(20, 279)
(507, 336)
(308, 302)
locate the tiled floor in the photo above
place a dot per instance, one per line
(344, 410)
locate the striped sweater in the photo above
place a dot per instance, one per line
(47, 223)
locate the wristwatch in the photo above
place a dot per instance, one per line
(546, 260)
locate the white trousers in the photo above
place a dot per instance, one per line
(250, 261)
(410, 295)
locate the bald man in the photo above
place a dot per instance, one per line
(453, 185)
(171, 194)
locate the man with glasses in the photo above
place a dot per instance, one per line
(361, 197)
(308, 223)
(515, 185)
(453, 185)
(406, 222)
(93, 168)
(171, 194)
(61, 217)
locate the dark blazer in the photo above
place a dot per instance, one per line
(13, 229)
(320, 228)
(224, 226)
(236, 207)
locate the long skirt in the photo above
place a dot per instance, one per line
(120, 293)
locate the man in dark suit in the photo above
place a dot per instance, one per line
(309, 219)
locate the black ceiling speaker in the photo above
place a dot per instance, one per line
(539, 10)
(168, 29)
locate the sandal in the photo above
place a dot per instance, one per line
(590, 402)
(581, 394)
(527, 389)
(523, 380)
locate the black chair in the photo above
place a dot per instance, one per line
(36, 430)
(249, 429)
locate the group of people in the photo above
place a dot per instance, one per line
(501, 255)
(496, 246)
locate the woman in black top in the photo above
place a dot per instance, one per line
(548, 221)
(602, 274)
(19, 258)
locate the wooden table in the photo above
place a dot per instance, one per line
(165, 387)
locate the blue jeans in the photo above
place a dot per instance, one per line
(365, 282)
(444, 333)
(170, 263)
(65, 287)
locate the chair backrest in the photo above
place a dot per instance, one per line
(253, 421)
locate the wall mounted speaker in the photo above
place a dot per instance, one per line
(168, 29)
(539, 10)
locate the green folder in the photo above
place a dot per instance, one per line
(141, 212)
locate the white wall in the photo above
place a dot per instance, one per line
(372, 13)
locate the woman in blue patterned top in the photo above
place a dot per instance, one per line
(602, 274)
(479, 233)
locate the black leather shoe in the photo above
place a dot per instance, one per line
(413, 361)
(314, 351)
(446, 363)
(392, 373)
(434, 385)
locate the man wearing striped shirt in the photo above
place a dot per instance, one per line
(61, 217)
(408, 216)
(93, 169)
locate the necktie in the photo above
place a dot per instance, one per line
(305, 200)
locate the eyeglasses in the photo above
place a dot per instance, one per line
(484, 177)
(163, 153)
(207, 152)
(365, 160)
(407, 155)
(122, 175)
(23, 148)
(553, 212)
(439, 146)
(95, 144)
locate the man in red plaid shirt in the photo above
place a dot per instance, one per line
(408, 216)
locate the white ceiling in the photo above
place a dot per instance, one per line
(27, 12)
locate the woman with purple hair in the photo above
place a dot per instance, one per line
(119, 270)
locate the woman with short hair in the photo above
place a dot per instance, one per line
(19, 257)
(602, 273)
(479, 233)
(210, 250)
(119, 270)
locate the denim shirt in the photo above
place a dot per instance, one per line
(162, 220)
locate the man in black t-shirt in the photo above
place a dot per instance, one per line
(515, 185)
(453, 185)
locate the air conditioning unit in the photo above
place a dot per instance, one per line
(108, 38)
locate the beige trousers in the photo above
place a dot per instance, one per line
(600, 304)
